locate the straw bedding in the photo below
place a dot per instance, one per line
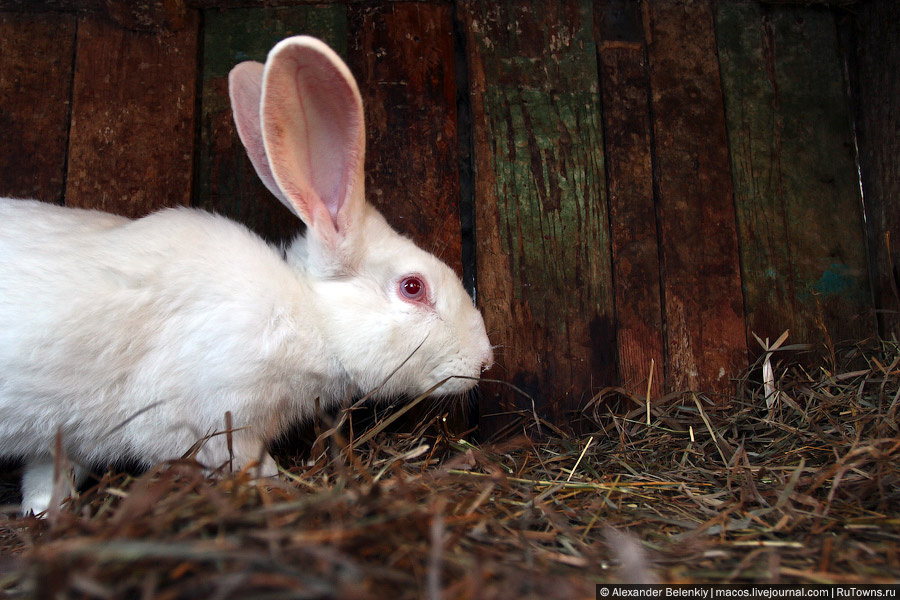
(683, 490)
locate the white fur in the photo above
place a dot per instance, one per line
(133, 338)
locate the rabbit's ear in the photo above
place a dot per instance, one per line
(312, 127)
(245, 90)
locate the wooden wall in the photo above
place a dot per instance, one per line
(627, 186)
(875, 74)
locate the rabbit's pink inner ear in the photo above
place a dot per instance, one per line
(313, 131)
(245, 91)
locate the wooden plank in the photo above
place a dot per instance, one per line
(230, 4)
(36, 60)
(132, 130)
(147, 15)
(625, 89)
(226, 182)
(543, 249)
(877, 108)
(704, 313)
(403, 58)
(795, 178)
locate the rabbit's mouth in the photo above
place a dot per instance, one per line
(449, 382)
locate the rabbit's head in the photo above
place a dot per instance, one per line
(388, 311)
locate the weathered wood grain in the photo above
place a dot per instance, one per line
(703, 304)
(878, 119)
(795, 178)
(132, 129)
(146, 15)
(625, 88)
(226, 182)
(36, 61)
(229, 4)
(543, 249)
(403, 58)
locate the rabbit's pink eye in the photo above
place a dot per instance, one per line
(412, 287)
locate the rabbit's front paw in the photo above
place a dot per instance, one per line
(39, 481)
(252, 452)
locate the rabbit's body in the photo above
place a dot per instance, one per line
(133, 338)
(200, 318)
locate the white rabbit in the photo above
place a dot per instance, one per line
(134, 337)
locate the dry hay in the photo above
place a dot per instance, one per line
(806, 491)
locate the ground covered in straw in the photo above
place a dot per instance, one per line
(806, 490)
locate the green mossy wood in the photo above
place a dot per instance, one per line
(543, 254)
(795, 177)
(714, 196)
